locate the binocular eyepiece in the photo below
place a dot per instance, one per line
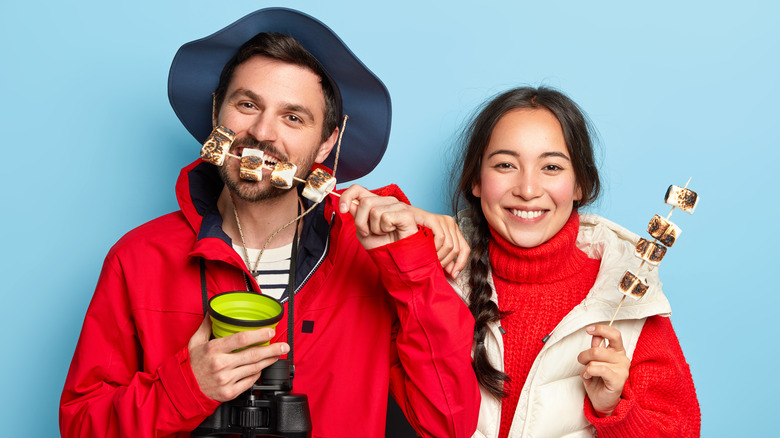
(265, 410)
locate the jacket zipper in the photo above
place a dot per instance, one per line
(319, 262)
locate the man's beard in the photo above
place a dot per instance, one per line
(253, 191)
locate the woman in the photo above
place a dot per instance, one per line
(542, 280)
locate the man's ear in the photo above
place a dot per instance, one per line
(327, 146)
(213, 111)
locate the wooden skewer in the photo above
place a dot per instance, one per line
(616, 311)
(670, 213)
(614, 315)
(264, 166)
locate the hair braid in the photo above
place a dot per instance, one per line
(484, 310)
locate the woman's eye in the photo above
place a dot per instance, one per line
(552, 168)
(503, 166)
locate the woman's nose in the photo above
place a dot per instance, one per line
(528, 186)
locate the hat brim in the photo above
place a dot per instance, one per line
(196, 68)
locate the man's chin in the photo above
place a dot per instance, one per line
(252, 193)
(249, 191)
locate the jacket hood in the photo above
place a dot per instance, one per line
(197, 190)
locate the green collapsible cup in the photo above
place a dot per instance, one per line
(233, 312)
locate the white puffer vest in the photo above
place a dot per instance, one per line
(551, 402)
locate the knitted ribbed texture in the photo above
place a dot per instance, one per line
(538, 286)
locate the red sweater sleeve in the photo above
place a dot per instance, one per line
(659, 399)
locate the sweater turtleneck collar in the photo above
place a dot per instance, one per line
(554, 260)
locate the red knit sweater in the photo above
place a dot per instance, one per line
(539, 286)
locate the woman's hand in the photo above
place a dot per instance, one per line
(606, 369)
(451, 247)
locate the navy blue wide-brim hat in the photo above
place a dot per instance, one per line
(196, 68)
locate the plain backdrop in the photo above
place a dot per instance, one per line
(677, 90)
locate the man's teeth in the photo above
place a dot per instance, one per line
(527, 214)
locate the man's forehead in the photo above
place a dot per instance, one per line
(266, 79)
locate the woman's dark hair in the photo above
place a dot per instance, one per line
(577, 133)
(286, 49)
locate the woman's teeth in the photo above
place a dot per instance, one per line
(527, 214)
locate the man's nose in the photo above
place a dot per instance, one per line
(263, 128)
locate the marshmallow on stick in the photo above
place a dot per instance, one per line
(682, 198)
(217, 145)
(633, 286)
(283, 175)
(318, 185)
(665, 231)
(662, 230)
(252, 163)
(650, 252)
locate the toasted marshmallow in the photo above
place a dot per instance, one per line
(251, 165)
(318, 185)
(650, 252)
(682, 198)
(217, 145)
(633, 286)
(665, 231)
(283, 175)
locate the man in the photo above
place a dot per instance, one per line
(373, 309)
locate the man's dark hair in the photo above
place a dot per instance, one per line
(286, 49)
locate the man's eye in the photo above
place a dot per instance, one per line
(246, 105)
(293, 118)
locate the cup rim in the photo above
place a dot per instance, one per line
(245, 322)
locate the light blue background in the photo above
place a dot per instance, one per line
(676, 89)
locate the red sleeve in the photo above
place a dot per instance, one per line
(432, 380)
(659, 399)
(106, 393)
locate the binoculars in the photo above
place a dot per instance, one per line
(265, 410)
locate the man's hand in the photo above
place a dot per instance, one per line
(221, 374)
(606, 369)
(379, 219)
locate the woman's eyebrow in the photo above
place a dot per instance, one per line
(504, 152)
(554, 154)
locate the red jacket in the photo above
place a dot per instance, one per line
(374, 320)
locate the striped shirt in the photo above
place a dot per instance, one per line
(274, 268)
